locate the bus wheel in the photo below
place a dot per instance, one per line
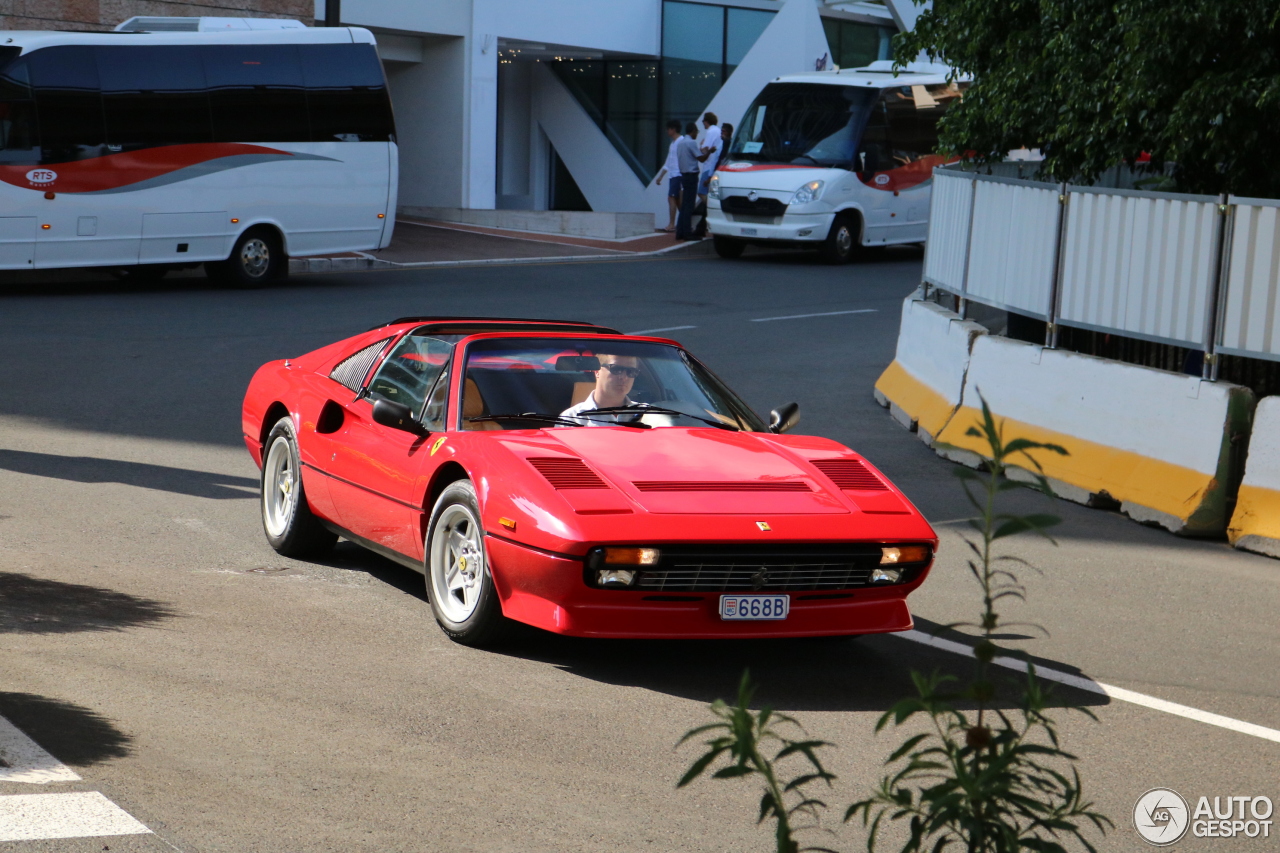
(841, 242)
(256, 259)
(728, 248)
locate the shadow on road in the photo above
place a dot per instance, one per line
(87, 469)
(31, 605)
(70, 733)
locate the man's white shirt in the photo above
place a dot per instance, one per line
(711, 141)
(588, 405)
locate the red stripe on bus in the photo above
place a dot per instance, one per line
(128, 167)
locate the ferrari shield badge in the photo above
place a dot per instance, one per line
(764, 526)
(436, 446)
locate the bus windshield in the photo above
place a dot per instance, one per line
(804, 124)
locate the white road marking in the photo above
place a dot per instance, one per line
(82, 814)
(663, 329)
(823, 314)
(1092, 686)
(26, 761)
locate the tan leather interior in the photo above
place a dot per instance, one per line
(473, 407)
(580, 392)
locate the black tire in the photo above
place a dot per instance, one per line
(256, 260)
(142, 273)
(478, 621)
(727, 247)
(290, 526)
(842, 241)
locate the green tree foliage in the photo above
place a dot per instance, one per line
(1096, 83)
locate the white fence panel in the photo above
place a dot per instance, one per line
(1015, 229)
(1139, 264)
(1251, 318)
(948, 229)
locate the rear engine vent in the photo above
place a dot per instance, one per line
(352, 370)
(719, 486)
(850, 474)
(567, 473)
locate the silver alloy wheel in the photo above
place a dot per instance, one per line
(457, 563)
(844, 239)
(255, 257)
(279, 487)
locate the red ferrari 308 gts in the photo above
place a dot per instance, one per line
(579, 480)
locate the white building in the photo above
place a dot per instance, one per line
(545, 105)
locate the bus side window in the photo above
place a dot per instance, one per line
(68, 103)
(153, 95)
(913, 121)
(874, 151)
(346, 93)
(17, 117)
(256, 93)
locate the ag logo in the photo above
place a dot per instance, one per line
(882, 179)
(1161, 816)
(42, 176)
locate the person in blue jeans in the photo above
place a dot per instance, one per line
(687, 154)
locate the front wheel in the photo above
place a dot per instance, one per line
(459, 581)
(842, 241)
(256, 259)
(291, 528)
(727, 247)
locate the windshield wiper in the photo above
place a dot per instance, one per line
(807, 157)
(527, 416)
(659, 410)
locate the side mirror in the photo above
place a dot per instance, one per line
(396, 416)
(785, 418)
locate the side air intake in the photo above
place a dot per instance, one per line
(850, 474)
(567, 473)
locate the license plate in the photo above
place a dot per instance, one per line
(754, 606)
(749, 232)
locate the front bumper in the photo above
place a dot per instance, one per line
(547, 591)
(790, 227)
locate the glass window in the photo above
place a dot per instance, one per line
(154, 95)
(631, 117)
(68, 103)
(854, 44)
(346, 93)
(742, 29)
(256, 93)
(543, 378)
(804, 123)
(410, 370)
(18, 139)
(913, 113)
(693, 32)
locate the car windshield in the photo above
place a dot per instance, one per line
(811, 124)
(535, 383)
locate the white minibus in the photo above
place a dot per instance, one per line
(833, 160)
(147, 151)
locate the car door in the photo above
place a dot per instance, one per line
(378, 474)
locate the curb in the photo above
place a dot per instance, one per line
(310, 266)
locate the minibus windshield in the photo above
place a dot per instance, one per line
(812, 124)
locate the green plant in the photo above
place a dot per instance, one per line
(985, 780)
(743, 737)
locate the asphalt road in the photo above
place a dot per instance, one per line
(233, 700)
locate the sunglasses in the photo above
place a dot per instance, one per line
(622, 370)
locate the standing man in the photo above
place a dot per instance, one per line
(671, 174)
(709, 156)
(687, 153)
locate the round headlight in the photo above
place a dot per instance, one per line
(807, 193)
(713, 187)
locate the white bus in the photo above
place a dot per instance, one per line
(147, 151)
(833, 160)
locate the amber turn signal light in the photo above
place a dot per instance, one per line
(632, 556)
(904, 554)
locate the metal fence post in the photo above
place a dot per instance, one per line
(1222, 258)
(968, 248)
(1055, 285)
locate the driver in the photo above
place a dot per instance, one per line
(614, 379)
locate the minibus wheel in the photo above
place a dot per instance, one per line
(256, 259)
(727, 247)
(842, 240)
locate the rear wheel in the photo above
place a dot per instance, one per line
(287, 519)
(459, 581)
(256, 259)
(727, 247)
(842, 240)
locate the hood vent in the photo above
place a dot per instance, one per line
(850, 474)
(565, 472)
(723, 486)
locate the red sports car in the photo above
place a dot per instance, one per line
(579, 480)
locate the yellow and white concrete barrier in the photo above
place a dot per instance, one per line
(1157, 442)
(1255, 524)
(923, 385)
